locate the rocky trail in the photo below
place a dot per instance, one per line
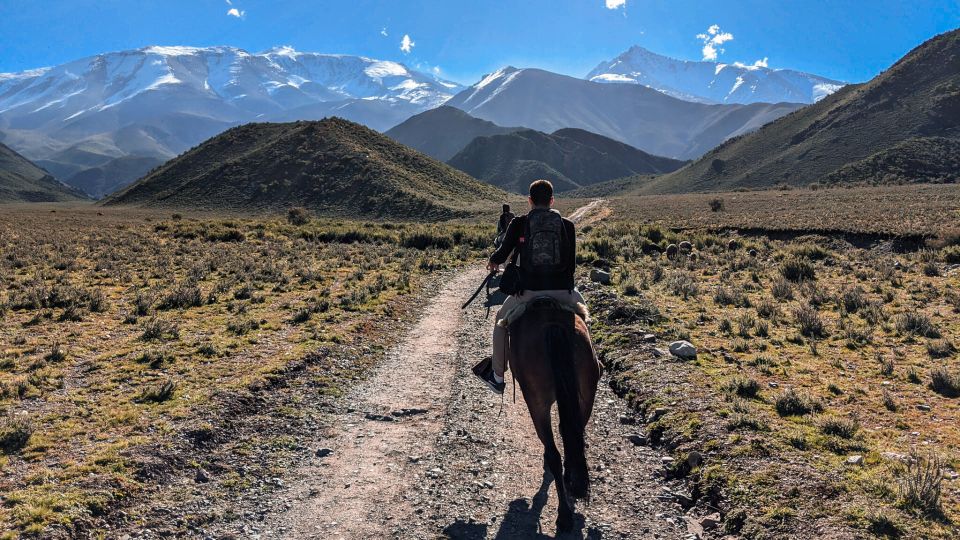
(424, 450)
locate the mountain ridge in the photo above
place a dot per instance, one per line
(332, 166)
(641, 117)
(916, 99)
(157, 101)
(713, 82)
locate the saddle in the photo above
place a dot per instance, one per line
(541, 303)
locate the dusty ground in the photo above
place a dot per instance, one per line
(423, 452)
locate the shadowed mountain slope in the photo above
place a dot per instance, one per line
(22, 181)
(442, 132)
(917, 99)
(332, 166)
(571, 158)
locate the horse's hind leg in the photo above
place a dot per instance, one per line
(554, 463)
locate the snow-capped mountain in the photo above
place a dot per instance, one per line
(643, 118)
(711, 82)
(147, 105)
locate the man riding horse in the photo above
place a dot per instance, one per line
(545, 245)
(550, 352)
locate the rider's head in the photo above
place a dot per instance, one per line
(541, 193)
(506, 208)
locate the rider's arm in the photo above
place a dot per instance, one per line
(510, 241)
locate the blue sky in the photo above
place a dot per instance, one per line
(847, 40)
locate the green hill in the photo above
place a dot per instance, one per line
(332, 166)
(915, 99)
(571, 158)
(22, 181)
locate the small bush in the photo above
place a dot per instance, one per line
(56, 355)
(155, 329)
(811, 325)
(853, 299)
(183, 296)
(797, 270)
(768, 309)
(940, 348)
(920, 484)
(243, 326)
(915, 323)
(716, 205)
(744, 387)
(298, 216)
(15, 433)
(791, 403)
(943, 382)
(836, 426)
(782, 289)
(154, 359)
(158, 394)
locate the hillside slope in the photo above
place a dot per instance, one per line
(22, 181)
(571, 158)
(630, 113)
(919, 96)
(332, 166)
(442, 132)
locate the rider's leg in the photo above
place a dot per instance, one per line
(500, 339)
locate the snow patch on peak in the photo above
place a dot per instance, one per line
(488, 79)
(386, 69)
(171, 51)
(283, 50)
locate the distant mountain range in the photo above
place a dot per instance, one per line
(22, 181)
(332, 166)
(901, 126)
(442, 132)
(570, 158)
(102, 121)
(633, 114)
(712, 82)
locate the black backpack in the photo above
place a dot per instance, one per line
(542, 252)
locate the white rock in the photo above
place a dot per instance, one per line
(683, 349)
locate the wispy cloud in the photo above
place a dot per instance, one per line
(234, 12)
(383, 31)
(616, 4)
(407, 44)
(712, 41)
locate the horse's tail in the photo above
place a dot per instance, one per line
(559, 350)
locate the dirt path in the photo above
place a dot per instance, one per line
(422, 452)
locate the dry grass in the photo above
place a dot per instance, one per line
(117, 329)
(859, 343)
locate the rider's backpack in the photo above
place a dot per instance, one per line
(542, 252)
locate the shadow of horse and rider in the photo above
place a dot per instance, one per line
(553, 362)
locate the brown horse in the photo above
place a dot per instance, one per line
(553, 360)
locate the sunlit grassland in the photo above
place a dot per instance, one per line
(118, 330)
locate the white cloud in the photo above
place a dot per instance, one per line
(436, 70)
(616, 4)
(229, 3)
(712, 41)
(234, 12)
(383, 31)
(407, 44)
(761, 63)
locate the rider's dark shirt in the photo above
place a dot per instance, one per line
(511, 242)
(505, 219)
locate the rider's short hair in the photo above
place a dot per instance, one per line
(541, 191)
(506, 208)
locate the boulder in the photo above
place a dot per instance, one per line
(733, 244)
(694, 459)
(683, 349)
(638, 439)
(672, 251)
(600, 276)
(855, 460)
(685, 246)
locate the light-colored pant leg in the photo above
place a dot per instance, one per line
(500, 333)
